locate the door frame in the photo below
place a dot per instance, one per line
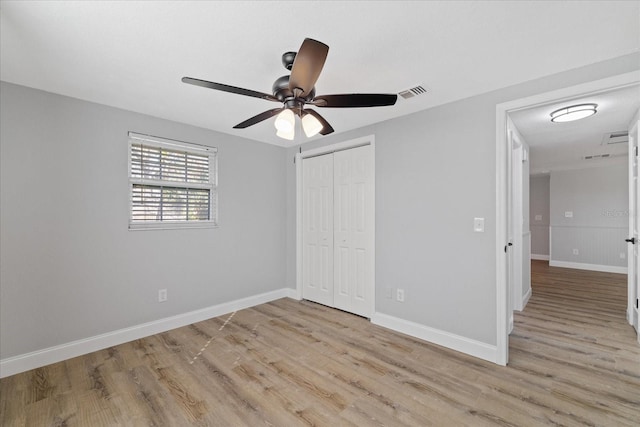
(328, 149)
(633, 287)
(502, 111)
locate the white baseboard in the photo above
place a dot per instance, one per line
(632, 315)
(525, 298)
(436, 336)
(540, 257)
(592, 267)
(58, 353)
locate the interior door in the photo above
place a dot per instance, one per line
(353, 231)
(633, 256)
(317, 229)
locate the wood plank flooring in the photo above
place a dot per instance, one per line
(574, 361)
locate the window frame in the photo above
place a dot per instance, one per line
(212, 185)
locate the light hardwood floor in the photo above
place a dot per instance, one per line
(574, 361)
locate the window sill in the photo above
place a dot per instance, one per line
(171, 225)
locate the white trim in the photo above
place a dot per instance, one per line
(298, 288)
(446, 339)
(525, 298)
(332, 148)
(172, 144)
(211, 185)
(502, 306)
(339, 146)
(502, 281)
(634, 216)
(58, 353)
(540, 257)
(171, 225)
(591, 267)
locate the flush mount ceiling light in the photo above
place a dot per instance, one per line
(574, 112)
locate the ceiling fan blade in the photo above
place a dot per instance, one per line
(307, 66)
(230, 89)
(258, 118)
(355, 100)
(326, 127)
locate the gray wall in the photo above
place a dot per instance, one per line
(599, 200)
(539, 205)
(70, 269)
(435, 172)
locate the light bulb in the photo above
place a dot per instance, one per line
(286, 135)
(285, 121)
(311, 125)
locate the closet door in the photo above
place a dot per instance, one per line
(317, 229)
(354, 231)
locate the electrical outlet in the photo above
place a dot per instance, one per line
(162, 295)
(400, 295)
(575, 252)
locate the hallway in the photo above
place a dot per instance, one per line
(574, 333)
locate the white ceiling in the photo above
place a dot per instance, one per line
(557, 146)
(132, 55)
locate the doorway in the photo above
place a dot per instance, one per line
(503, 186)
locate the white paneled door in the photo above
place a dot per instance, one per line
(353, 230)
(317, 229)
(351, 283)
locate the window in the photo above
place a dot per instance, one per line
(172, 184)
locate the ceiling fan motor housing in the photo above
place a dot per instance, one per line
(282, 91)
(287, 60)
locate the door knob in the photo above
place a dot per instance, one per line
(631, 240)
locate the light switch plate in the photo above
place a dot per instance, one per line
(538, 217)
(478, 225)
(568, 214)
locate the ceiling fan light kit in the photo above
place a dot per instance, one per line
(573, 112)
(290, 135)
(297, 90)
(311, 125)
(285, 121)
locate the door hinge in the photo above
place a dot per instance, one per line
(636, 151)
(637, 299)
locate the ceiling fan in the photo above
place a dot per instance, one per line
(297, 90)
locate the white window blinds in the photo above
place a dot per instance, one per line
(172, 183)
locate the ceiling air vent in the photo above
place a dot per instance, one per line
(414, 91)
(618, 137)
(603, 156)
